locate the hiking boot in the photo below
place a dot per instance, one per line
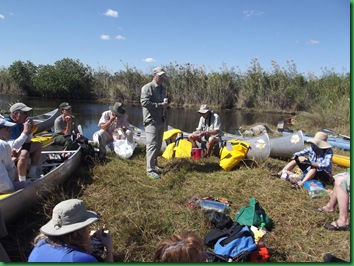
(153, 175)
(159, 170)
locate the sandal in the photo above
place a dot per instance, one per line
(322, 210)
(336, 227)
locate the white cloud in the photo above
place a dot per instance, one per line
(105, 37)
(120, 37)
(2, 16)
(149, 60)
(312, 42)
(252, 13)
(111, 13)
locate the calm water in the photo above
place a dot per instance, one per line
(89, 112)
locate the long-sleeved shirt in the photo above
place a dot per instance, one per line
(324, 159)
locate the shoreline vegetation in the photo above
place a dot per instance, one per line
(139, 211)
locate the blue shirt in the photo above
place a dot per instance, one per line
(44, 252)
(15, 130)
(324, 159)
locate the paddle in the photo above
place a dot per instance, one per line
(329, 131)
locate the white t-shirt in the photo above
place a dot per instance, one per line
(7, 168)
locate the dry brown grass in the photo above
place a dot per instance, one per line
(139, 212)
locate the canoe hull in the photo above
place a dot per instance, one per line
(45, 121)
(287, 145)
(341, 160)
(16, 203)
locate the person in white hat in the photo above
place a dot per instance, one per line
(20, 141)
(66, 237)
(318, 164)
(208, 129)
(154, 104)
(8, 175)
(112, 123)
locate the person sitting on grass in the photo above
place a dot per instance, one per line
(184, 247)
(8, 175)
(208, 129)
(64, 126)
(319, 163)
(66, 237)
(340, 196)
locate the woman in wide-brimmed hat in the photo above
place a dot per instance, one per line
(66, 237)
(318, 164)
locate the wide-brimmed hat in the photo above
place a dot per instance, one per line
(65, 106)
(158, 71)
(5, 123)
(117, 108)
(320, 140)
(20, 107)
(204, 109)
(68, 216)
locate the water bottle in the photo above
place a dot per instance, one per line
(213, 205)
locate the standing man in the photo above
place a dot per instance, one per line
(20, 141)
(154, 102)
(113, 122)
(64, 126)
(208, 129)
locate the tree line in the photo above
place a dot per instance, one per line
(280, 89)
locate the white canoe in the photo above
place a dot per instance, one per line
(287, 145)
(45, 121)
(15, 204)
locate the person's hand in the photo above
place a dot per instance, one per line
(105, 239)
(164, 104)
(68, 118)
(27, 127)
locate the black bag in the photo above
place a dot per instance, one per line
(213, 236)
(218, 219)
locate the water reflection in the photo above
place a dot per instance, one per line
(89, 112)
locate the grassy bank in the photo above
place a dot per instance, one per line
(139, 212)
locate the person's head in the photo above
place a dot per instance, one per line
(5, 129)
(204, 110)
(320, 141)
(19, 112)
(117, 109)
(65, 108)
(159, 75)
(183, 247)
(69, 225)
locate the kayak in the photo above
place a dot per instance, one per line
(341, 160)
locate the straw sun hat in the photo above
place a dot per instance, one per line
(68, 216)
(320, 140)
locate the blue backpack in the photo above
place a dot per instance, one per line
(237, 245)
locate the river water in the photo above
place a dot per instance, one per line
(89, 112)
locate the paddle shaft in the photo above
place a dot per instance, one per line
(329, 131)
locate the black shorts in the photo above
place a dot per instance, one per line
(26, 146)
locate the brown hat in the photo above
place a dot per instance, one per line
(117, 108)
(320, 140)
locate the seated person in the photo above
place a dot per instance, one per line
(20, 141)
(340, 195)
(208, 129)
(184, 247)
(319, 163)
(64, 127)
(8, 173)
(113, 125)
(66, 237)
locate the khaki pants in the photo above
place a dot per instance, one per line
(154, 134)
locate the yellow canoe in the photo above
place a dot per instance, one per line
(341, 160)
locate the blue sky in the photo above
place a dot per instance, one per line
(110, 34)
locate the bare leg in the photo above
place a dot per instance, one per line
(290, 166)
(35, 151)
(310, 175)
(192, 140)
(343, 202)
(22, 163)
(211, 143)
